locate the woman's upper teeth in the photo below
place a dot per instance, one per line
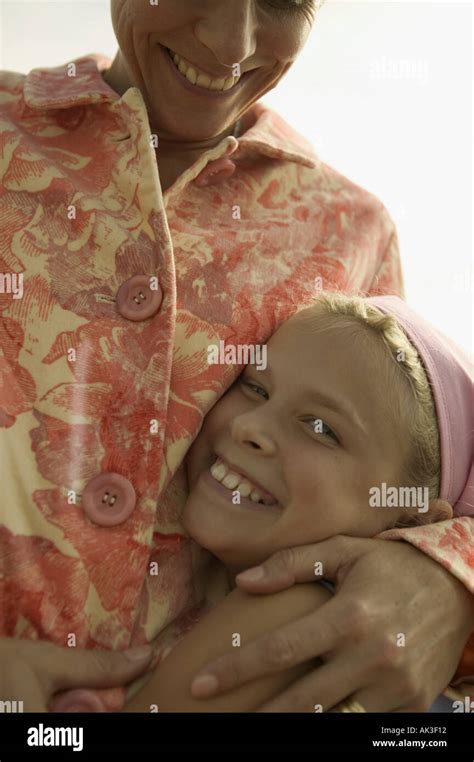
(201, 79)
(233, 480)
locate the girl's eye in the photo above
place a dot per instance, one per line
(255, 388)
(319, 427)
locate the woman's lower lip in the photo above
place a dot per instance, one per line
(227, 494)
(195, 88)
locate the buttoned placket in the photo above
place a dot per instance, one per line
(109, 499)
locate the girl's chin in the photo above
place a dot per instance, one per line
(200, 527)
(203, 529)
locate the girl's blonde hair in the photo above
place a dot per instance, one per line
(415, 406)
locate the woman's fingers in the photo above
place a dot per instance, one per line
(306, 563)
(320, 690)
(75, 668)
(340, 680)
(19, 684)
(281, 649)
(32, 671)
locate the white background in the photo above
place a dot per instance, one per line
(382, 90)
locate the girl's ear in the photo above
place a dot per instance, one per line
(438, 510)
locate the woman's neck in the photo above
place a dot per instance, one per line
(175, 158)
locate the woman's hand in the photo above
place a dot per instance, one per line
(391, 637)
(32, 671)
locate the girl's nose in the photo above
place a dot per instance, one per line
(250, 431)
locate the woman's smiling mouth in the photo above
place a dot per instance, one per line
(200, 78)
(201, 82)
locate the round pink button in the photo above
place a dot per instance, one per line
(109, 499)
(137, 300)
(215, 172)
(79, 700)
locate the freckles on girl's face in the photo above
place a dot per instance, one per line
(310, 431)
(199, 95)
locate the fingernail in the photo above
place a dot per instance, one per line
(252, 575)
(138, 654)
(204, 686)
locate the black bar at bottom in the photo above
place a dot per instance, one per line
(94, 736)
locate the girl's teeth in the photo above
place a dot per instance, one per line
(218, 470)
(245, 488)
(231, 481)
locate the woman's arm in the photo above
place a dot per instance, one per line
(239, 615)
(394, 609)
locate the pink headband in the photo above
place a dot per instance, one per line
(449, 371)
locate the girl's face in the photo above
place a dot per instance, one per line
(262, 36)
(313, 429)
